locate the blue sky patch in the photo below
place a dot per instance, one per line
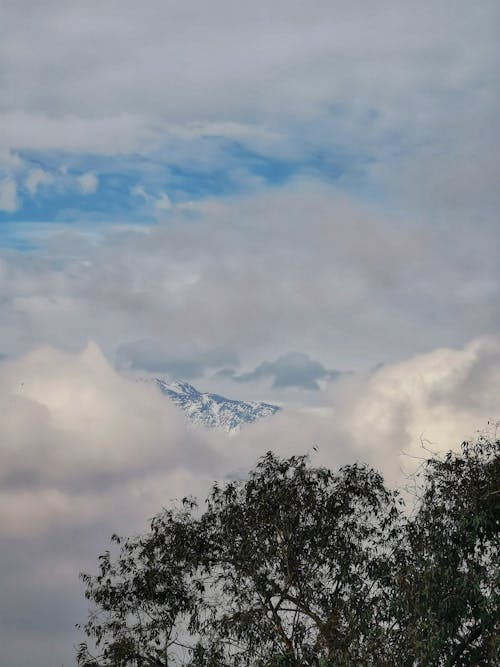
(66, 189)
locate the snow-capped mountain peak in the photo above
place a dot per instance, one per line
(213, 410)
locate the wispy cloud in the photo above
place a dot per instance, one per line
(37, 178)
(9, 201)
(161, 201)
(88, 182)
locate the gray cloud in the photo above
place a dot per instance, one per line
(122, 77)
(156, 357)
(290, 370)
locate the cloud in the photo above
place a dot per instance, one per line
(388, 105)
(69, 438)
(66, 428)
(156, 357)
(88, 182)
(161, 202)
(9, 160)
(290, 370)
(434, 400)
(338, 75)
(9, 201)
(297, 267)
(36, 178)
(139, 191)
(396, 417)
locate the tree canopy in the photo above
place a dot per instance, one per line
(301, 566)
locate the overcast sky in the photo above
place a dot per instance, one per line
(291, 201)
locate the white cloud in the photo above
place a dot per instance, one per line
(139, 191)
(88, 182)
(36, 178)
(72, 421)
(9, 201)
(437, 399)
(162, 202)
(9, 160)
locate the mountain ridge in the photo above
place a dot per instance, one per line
(213, 410)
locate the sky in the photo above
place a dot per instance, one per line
(294, 202)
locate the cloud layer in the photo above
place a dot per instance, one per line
(397, 102)
(186, 63)
(248, 278)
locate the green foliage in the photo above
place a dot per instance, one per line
(448, 601)
(301, 566)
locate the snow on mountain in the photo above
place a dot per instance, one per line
(213, 410)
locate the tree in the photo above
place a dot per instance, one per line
(299, 565)
(447, 603)
(287, 566)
